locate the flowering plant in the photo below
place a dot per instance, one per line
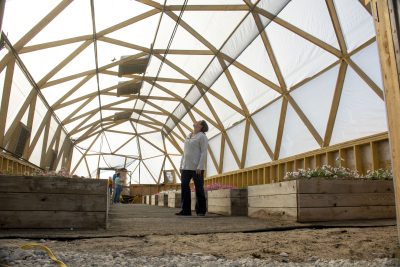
(380, 174)
(217, 186)
(337, 173)
(324, 171)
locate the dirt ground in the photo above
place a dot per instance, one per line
(301, 245)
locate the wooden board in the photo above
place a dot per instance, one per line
(321, 186)
(265, 213)
(52, 220)
(228, 210)
(154, 200)
(346, 213)
(60, 202)
(282, 188)
(62, 185)
(273, 201)
(345, 200)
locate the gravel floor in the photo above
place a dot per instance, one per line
(20, 257)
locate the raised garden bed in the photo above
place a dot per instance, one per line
(231, 202)
(319, 199)
(174, 199)
(52, 202)
(163, 199)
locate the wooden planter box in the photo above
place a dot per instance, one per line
(193, 200)
(231, 202)
(53, 203)
(163, 200)
(320, 199)
(174, 199)
(154, 200)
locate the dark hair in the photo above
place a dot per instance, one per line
(204, 125)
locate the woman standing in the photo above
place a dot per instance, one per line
(192, 166)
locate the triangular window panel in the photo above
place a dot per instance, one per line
(229, 160)
(155, 138)
(140, 128)
(155, 165)
(130, 149)
(170, 147)
(85, 144)
(52, 131)
(90, 87)
(315, 98)
(215, 145)
(296, 138)
(254, 93)
(256, 154)
(38, 67)
(115, 140)
(29, 14)
(223, 88)
(145, 177)
(297, 58)
(92, 163)
(256, 58)
(236, 135)
(180, 89)
(130, 34)
(75, 20)
(311, 17)
(148, 150)
(204, 108)
(81, 170)
(165, 72)
(108, 53)
(361, 112)
(267, 121)
(181, 40)
(356, 23)
(20, 89)
(211, 170)
(204, 23)
(226, 114)
(37, 151)
(76, 156)
(38, 116)
(64, 112)
(53, 93)
(194, 65)
(84, 61)
(368, 60)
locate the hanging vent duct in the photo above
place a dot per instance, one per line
(125, 88)
(122, 115)
(21, 137)
(134, 66)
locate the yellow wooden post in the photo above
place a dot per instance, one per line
(387, 38)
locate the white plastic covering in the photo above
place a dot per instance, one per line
(251, 86)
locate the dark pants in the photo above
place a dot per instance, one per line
(198, 180)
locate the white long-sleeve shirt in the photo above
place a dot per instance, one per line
(195, 152)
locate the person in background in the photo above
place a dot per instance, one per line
(110, 187)
(116, 174)
(192, 166)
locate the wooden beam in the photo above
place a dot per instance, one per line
(388, 47)
(52, 44)
(336, 26)
(281, 125)
(221, 154)
(245, 142)
(5, 100)
(335, 104)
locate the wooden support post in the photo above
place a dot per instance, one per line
(388, 46)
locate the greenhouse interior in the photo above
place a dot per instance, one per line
(276, 122)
